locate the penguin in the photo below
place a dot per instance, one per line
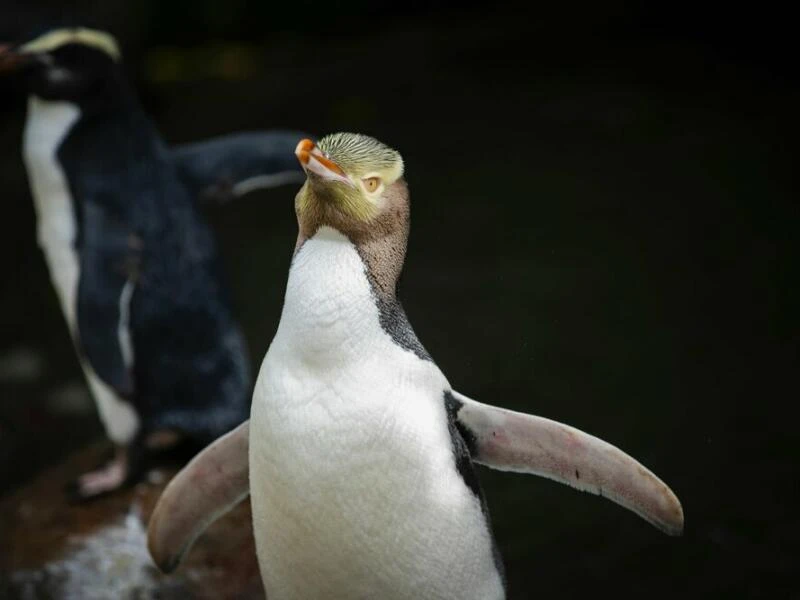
(359, 455)
(131, 258)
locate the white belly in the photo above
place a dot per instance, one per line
(47, 125)
(354, 488)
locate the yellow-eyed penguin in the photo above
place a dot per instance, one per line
(360, 452)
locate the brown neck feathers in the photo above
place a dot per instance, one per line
(381, 242)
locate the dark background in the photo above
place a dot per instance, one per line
(604, 212)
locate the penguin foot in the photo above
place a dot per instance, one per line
(165, 440)
(128, 465)
(112, 476)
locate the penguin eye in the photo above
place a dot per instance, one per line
(372, 183)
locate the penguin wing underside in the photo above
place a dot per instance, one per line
(226, 167)
(512, 441)
(212, 484)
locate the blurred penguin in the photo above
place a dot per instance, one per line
(132, 260)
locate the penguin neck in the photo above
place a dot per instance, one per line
(331, 311)
(381, 242)
(382, 257)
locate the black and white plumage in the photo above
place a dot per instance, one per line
(230, 166)
(359, 455)
(131, 257)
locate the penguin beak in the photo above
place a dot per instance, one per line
(11, 60)
(313, 160)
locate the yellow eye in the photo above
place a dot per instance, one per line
(372, 183)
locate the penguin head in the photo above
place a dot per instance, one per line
(73, 64)
(353, 181)
(355, 184)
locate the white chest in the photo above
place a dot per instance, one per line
(354, 489)
(47, 125)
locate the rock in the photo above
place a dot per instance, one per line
(98, 550)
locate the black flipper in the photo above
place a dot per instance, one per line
(230, 166)
(110, 255)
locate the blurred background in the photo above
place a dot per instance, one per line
(604, 213)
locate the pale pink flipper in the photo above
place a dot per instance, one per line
(215, 481)
(513, 441)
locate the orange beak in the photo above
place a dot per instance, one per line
(313, 160)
